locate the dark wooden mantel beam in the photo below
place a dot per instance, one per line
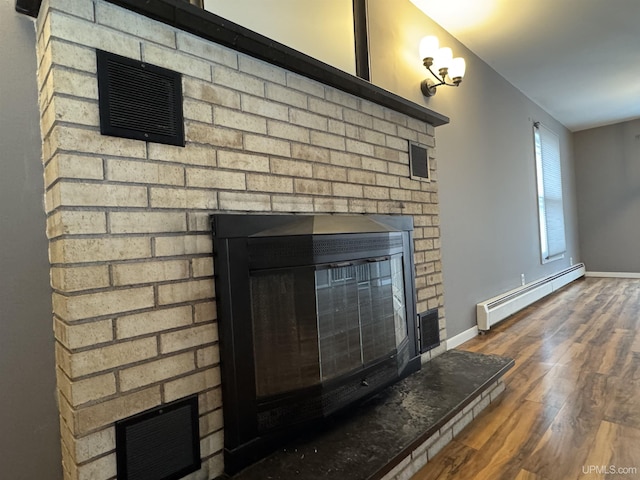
(181, 14)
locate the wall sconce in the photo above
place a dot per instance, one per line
(450, 70)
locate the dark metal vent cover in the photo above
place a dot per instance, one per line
(419, 160)
(429, 330)
(160, 444)
(139, 101)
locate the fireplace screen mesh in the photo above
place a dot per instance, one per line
(359, 316)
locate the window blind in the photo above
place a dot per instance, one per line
(550, 205)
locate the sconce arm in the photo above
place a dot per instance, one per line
(441, 79)
(428, 86)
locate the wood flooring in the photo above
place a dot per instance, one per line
(571, 408)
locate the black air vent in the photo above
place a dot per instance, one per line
(429, 330)
(419, 160)
(160, 444)
(139, 101)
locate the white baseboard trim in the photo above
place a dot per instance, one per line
(462, 337)
(613, 274)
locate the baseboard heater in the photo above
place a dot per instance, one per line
(498, 308)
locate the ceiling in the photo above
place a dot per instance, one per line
(578, 59)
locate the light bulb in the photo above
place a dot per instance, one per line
(443, 58)
(457, 69)
(428, 47)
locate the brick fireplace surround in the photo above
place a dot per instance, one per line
(130, 242)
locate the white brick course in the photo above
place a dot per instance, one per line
(148, 272)
(79, 307)
(76, 222)
(188, 338)
(216, 179)
(271, 146)
(243, 161)
(238, 81)
(147, 222)
(185, 291)
(206, 50)
(108, 357)
(173, 60)
(73, 139)
(195, 383)
(91, 195)
(81, 250)
(265, 108)
(191, 154)
(269, 183)
(72, 166)
(74, 336)
(292, 204)
(261, 69)
(239, 120)
(247, 202)
(75, 279)
(213, 136)
(88, 389)
(105, 413)
(282, 94)
(287, 131)
(183, 198)
(153, 321)
(77, 31)
(205, 312)
(137, 25)
(156, 371)
(144, 172)
(196, 110)
(182, 245)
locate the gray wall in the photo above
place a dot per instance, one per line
(486, 168)
(29, 443)
(608, 192)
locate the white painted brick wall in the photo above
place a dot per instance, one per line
(128, 221)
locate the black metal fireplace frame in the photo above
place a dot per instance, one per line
(234, 238)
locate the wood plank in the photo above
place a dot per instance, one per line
(524, 475)
(552, 389)
(623, 402)
(450, 466)
(614, 351)
(517, 436)
(565, 445)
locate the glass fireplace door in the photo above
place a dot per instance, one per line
(285, 339)
(361, 314)
(314, 324)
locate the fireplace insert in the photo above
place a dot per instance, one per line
(316, 312)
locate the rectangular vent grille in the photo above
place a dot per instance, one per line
(139, 101)
(160, 444)
(419, 160)
(429, 330)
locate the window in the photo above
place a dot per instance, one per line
(549, 183)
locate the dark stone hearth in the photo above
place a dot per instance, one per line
(367, 441)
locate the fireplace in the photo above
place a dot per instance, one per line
(315, 313)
